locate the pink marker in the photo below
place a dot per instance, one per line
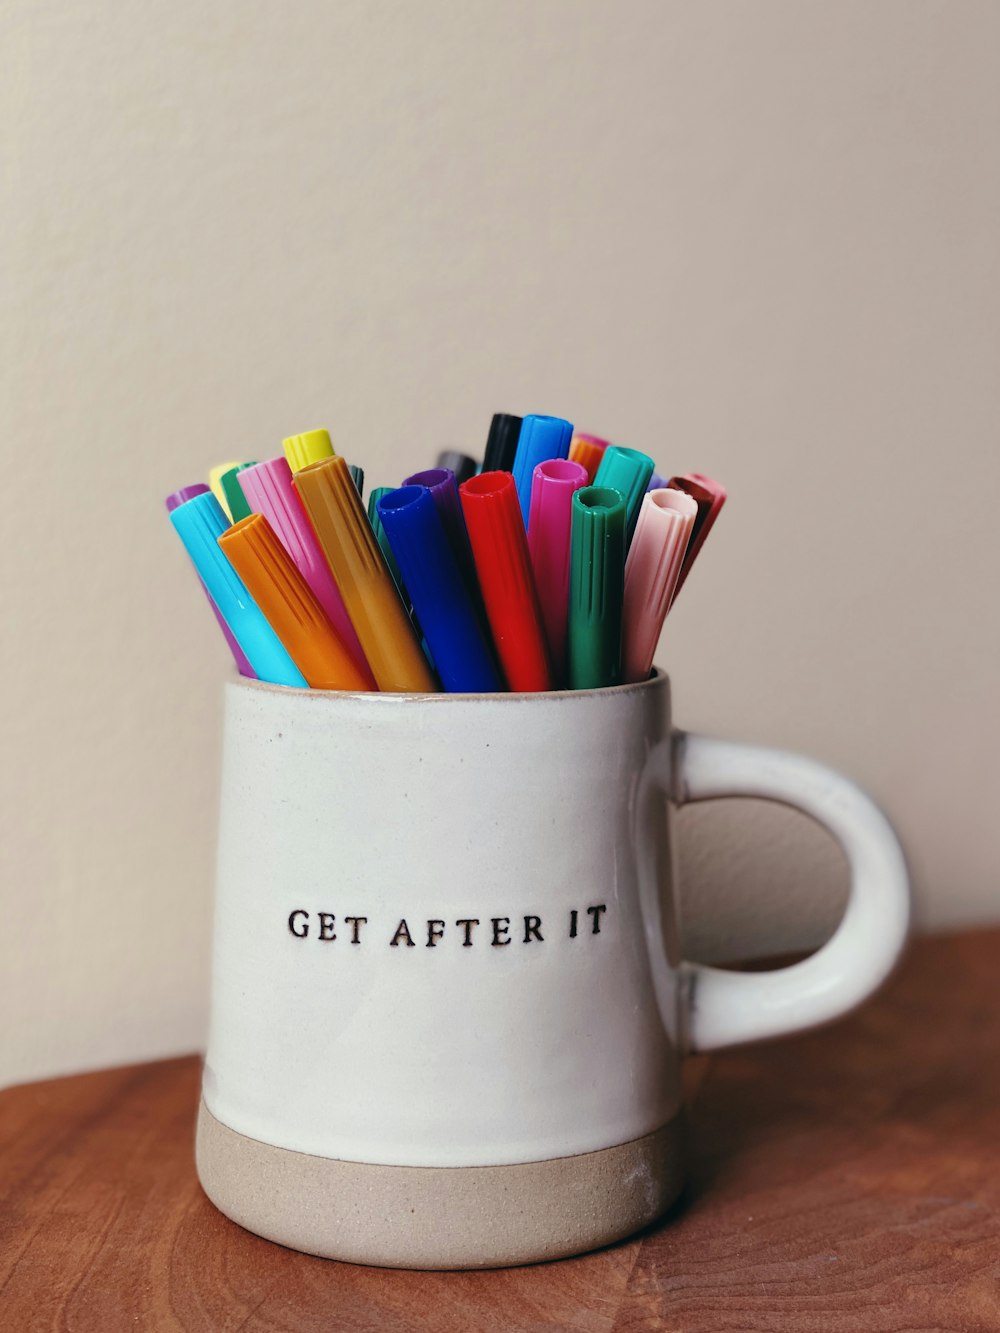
(550, 518)
(666, 518)
(269, 491)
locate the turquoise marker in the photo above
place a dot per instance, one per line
(200, 522)
(629, 472)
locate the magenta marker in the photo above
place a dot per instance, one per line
(242, 665)
(269, 491)
(550, 521)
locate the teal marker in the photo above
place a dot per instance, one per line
(630, 472)
(231, 489)
(378, 527)
(596, 588)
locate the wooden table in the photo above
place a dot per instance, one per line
(843, 1182)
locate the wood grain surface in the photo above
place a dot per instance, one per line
(843, 1182)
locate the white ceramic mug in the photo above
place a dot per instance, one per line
(448, 1006)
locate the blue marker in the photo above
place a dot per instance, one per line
(628, 472)
(200, 522)
(657, 483)
(443, 486)
(441, 598)
(540, 438)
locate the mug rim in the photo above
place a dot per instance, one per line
(657, 677)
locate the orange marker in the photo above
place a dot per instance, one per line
(290, 605)
(587, 450)
(384, 631)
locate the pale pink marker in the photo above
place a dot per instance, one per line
(269, 491)
(652, 569)
(550, 519)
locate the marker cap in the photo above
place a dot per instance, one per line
(541, 438)
(500, 550)
(378, 527)
(358, 477)
(462, 465)
(627, 471)
(596, 587)
(236, 501)
(709, 496)
(666, 518)
(309, 447)
(199, 523)
(440, 594)
(239, 657)
(215, 475)
(588, 450)
(657, 483)
(552, 490)
(268, 490)
(293, 612)
(356, 562)
(501, 443)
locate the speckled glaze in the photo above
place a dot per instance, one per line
(445, 941)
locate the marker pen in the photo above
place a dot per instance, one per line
(309, 447)
(236, 502)
(462, 465)
(596, 587)
(651, 573)
(501, 444)
(500, 551)
(200, 522)
(709, 496)
(268, 490)
(627, 471)
(239, 657)
(588, 450)
(292, 610)
(441, 599)
(215, 475)
(541, 438)
(356, 562)
(552, 490)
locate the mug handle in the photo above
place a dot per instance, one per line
(722, 1008)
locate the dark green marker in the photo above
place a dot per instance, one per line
(596, 588)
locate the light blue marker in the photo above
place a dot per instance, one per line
(200, 522)
(541, 438)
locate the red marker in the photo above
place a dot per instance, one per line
(709, 496)
(500, 551)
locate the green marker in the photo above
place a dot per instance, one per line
(233, 492)
(596, 588)
(358, 477)
(628, 471)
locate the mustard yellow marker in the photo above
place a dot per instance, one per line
(215, 483)
(355, 558)
(312, 446)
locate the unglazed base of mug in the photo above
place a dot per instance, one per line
(439, 1217)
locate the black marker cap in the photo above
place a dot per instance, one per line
(462, 465)
(501, 446)
(358, 477)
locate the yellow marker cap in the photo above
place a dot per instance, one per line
(312, 446)
(355, 558)
(215, 483)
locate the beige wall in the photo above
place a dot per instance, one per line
(755, 239)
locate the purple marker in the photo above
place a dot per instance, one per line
(657, 483)
(242, 665)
